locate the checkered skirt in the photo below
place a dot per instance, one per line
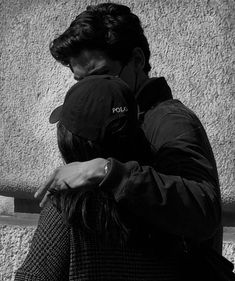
(62, 252)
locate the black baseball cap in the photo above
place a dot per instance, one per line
(95, 104)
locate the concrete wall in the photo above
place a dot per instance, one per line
(192, 46)
(191, 43)
(14, 245)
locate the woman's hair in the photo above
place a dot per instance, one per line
(108, 27)
(77, 204)
(74, 148)
(120, 141)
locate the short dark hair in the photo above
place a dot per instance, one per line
(109, 27)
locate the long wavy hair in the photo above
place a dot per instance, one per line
(77, 205)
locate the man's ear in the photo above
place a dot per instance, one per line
(138, 58)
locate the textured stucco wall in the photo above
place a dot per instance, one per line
(14, 245)
(6, 206)
(192, 45)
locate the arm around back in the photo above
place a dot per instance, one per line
(180, 193)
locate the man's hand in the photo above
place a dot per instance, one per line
(73, 175)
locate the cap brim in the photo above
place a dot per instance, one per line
(55, 115)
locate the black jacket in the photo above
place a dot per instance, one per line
(176, 199)
(178, 195)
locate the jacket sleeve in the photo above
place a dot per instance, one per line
(180, 193)
(48, 256)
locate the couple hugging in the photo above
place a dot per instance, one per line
(139, 189)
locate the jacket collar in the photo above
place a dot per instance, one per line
(152, 92)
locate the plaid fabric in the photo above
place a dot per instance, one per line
(60, 252)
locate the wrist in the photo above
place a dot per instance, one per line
(98, 169)
(107, 167)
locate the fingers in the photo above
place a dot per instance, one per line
(61, 179)
(52, 182)
(45, 187)
(44, 200)
(57, 187)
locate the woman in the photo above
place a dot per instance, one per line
(84, 234)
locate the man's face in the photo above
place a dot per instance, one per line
(96, 62)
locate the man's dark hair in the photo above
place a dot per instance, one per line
(108, 27)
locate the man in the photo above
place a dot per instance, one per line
(179, 195)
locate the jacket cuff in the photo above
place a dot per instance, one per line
(116, 178)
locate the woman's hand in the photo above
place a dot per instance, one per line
(73, 175)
